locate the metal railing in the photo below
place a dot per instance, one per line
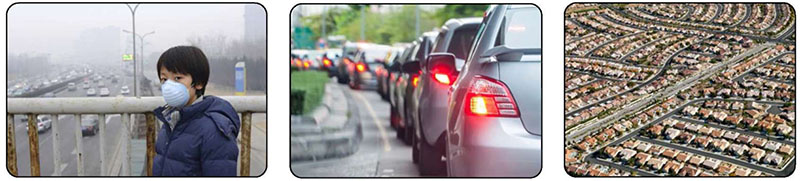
(246, 105)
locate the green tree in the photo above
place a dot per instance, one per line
(459, 11)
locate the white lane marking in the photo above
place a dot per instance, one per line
(108, 117)
(386, 146)
(61, 169)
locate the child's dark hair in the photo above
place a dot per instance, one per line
(186, 60)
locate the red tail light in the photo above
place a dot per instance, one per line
(298, 63)
(360, 67)
(306, 64)
(442, 78)
(442, 75)
(326, 62)
(489, 97)
(415, 80)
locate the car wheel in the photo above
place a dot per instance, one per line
(95, 131)
(414, 150)
(400, 133)
(408, 135)
(341, 79)
(430, 160)
(393, 118)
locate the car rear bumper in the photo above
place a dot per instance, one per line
(498, 147)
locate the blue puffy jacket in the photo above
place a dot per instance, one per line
(203, 142)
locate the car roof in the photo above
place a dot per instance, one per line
(457, 22)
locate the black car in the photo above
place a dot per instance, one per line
(345, 65)
(366, 62)
(90, 124)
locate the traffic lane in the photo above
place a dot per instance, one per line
(66, 145)
(113, 88)
(91, 146)
(45, 146)
(380, 153)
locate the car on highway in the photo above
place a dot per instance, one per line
(345, 64)
(383, 72)
(104, 92)
(366, 61)
(101, 84)
(124, 90)
(91, 92)
(328, 60)
(89, 124)
(407, 82)
(71, 86)
(394, 83)
(494, 120)
(428, 104)
(49, 94)
(43, 123)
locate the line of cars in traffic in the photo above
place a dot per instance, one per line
(89, 123)
(467, 97)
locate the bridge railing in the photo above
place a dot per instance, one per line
(126, 106)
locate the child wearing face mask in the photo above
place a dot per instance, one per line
(198, 137)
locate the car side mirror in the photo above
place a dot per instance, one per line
(443, 67)
(411, 67)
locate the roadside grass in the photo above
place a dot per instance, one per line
(307, 88)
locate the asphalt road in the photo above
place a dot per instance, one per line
(66, 145)
(380, 154)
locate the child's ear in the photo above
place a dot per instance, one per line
(199, 86)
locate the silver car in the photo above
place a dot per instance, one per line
(494, 122)
(43, 123)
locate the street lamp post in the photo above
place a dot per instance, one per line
(141, 47)
(133, 36)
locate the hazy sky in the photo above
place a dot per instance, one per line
(53, 28)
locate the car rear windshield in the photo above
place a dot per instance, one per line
(462, 41)
(88, 122)
(370, 55)
(522, 28)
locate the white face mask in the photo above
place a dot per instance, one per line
(175, 94)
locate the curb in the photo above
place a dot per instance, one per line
(317, 143)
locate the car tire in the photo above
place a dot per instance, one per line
(430, 160)
(400, 133)
(414, 150)
(95, 131)
(408, 135)
(392, 119)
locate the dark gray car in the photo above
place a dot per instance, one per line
(428, 105)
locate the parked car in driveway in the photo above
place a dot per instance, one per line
(494, 122)
(428, 104)
(89, 124)
(366, 61)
